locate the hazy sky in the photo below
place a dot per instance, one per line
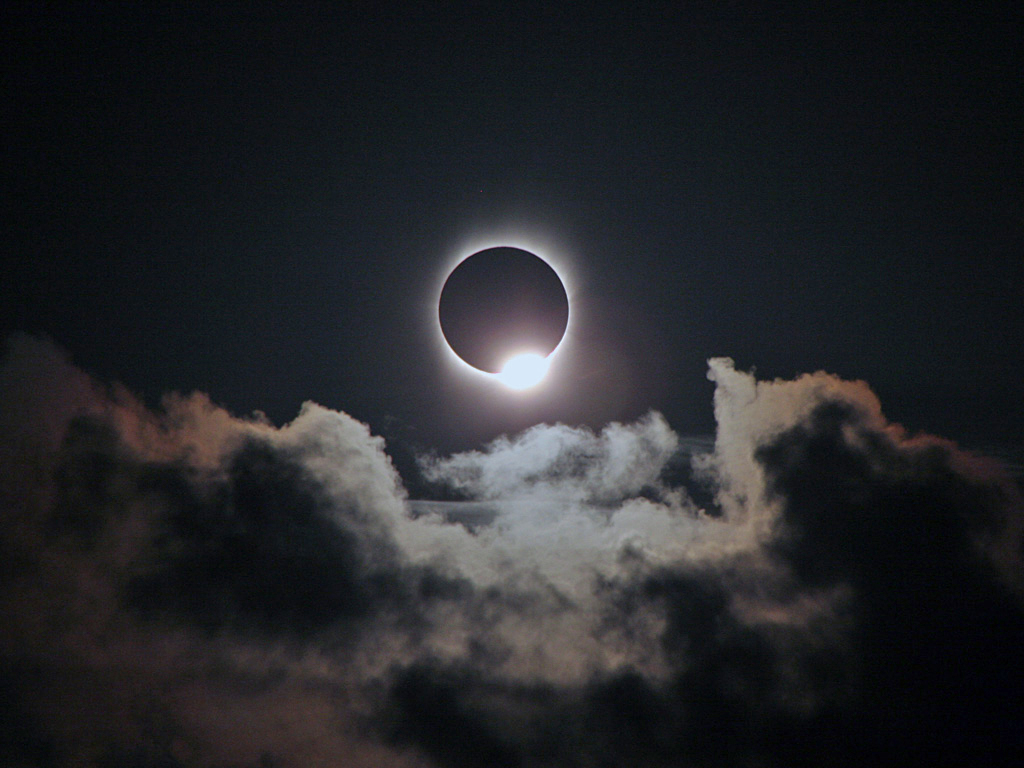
(259, 203)
(254, 515)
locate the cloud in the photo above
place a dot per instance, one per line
(564, 462)
(182, 587)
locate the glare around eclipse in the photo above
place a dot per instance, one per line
(524, 371)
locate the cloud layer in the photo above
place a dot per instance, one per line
(182, 587)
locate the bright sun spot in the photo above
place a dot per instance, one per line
(524, 371)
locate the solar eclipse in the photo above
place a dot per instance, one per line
(504, 311)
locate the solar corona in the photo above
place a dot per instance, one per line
(503, 311)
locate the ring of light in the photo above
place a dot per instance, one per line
(514, 374)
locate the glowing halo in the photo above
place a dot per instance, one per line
(516, 376)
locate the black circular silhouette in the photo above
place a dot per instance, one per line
(501, 302)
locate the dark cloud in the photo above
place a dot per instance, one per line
(261, 550)
(912, 531)
(186, 588)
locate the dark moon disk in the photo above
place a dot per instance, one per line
(501, 302)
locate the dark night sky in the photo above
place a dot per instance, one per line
(670, 558)
(256, 203)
